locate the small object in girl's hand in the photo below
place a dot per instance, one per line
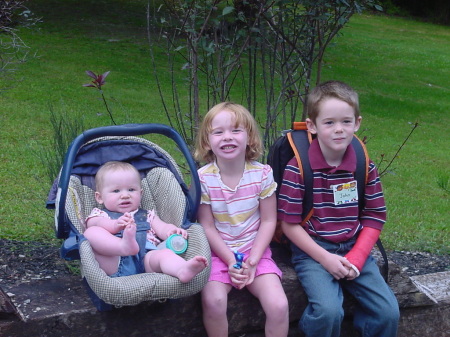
(239, 258)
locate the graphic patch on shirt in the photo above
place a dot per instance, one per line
(345, 193)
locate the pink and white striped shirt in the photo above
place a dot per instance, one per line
(236, 211)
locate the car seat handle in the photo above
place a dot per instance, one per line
(124, 130)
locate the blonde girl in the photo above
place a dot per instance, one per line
(238, 213)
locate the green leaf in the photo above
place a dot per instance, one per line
(227, 10)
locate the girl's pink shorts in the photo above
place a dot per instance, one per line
(219, 270)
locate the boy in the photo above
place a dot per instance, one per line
(331, 251)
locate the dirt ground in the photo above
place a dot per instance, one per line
(25, 261)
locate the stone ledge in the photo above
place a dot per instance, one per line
(62, 308)
(436, 286)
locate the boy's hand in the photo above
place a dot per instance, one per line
(351, 274)
(336, 265)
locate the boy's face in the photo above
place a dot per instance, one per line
(335, 125)
(121, 191)
(227, 141)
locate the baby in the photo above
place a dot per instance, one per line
(124, 237)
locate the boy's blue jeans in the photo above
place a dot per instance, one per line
(377, 313)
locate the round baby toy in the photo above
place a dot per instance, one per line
(176, 243)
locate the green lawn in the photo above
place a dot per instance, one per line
(401, 68)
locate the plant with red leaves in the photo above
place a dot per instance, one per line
(98, 82)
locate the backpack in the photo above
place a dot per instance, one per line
(296, 142)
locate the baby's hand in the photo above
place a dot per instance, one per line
(177, 230)
(125, 220)
(130, 218)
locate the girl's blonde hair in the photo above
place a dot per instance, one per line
(331, 89)
(112, 166)
(242, 117)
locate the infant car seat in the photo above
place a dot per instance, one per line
(164, 190)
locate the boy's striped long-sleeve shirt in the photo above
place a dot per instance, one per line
(331, 221)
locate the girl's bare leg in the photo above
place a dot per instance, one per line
(167, 262)
(214, 303)
(267, 288)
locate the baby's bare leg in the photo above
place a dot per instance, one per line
(108, 247)
(167, 262)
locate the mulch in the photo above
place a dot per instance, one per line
(26, 261)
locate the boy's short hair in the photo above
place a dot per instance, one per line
(112, 166)
(243, 117)
(331, 89)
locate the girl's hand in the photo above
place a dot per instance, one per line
(336, 265)
(238, 276)
(250, 270)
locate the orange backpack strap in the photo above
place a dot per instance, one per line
(299, 126)
(293, 143)
(300, 140)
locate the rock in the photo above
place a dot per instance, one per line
(61, 307)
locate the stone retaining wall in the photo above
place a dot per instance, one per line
(62, 308)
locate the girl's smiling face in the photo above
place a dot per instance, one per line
(227, 140)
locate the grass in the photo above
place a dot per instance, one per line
(400, 68)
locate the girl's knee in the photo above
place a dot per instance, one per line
(215, 304)
(281, 305)
(277, 308)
